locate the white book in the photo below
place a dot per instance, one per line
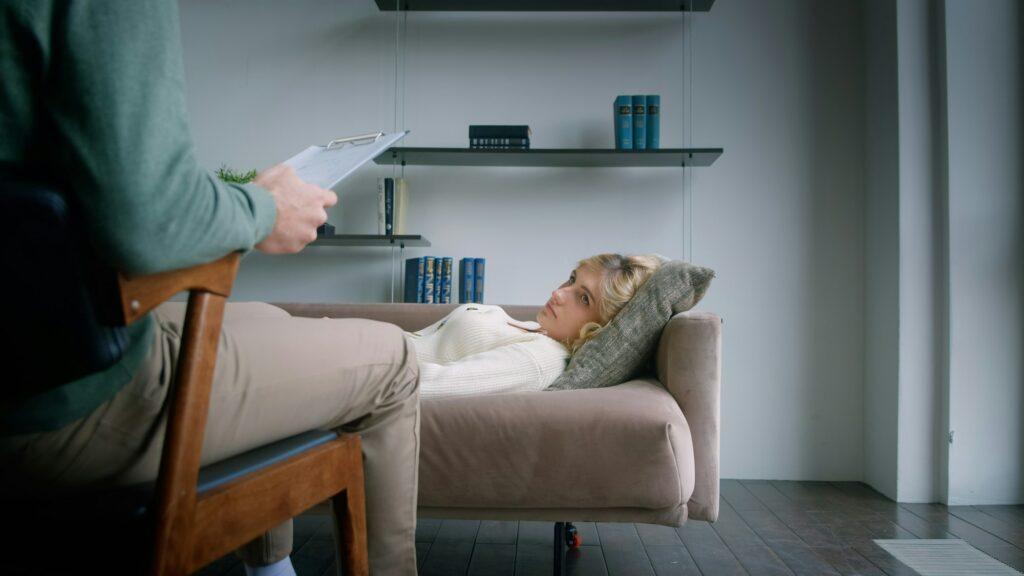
(401, 204)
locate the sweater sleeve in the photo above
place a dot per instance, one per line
(519, 367)
(115, 100)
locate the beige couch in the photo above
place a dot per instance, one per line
(644, 451)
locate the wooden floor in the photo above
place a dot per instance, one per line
(764, 527)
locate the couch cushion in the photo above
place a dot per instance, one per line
(625, 446)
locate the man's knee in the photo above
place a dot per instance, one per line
(408, 380)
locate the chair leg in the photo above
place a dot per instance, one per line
(349, 511)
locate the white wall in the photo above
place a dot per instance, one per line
(780, 216)
(945, 213)
(922, 276)
(985, 78)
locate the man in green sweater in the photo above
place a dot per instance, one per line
(92, 99)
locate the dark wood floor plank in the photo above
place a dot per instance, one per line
(708, 551)
(1009, 555)
(447, 558)
(883, 560)
(1011, 532)
(533, 559)
(656, 535)
(841, 549)
(749, 549)
(627, 560)
(422, 549)
(493, 560)
(318, 553)
(426, 529)
(536, 533)
(624, 552)
(878, 503)
(461, 530)
(672, 561)
(586, 561)
(939, 515)
(806, 495)
(498, 532)
(739, 497)
(848, 561)
(588, 530)
(618, 534)
(1014, 514)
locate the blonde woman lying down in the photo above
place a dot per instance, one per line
(479, 349)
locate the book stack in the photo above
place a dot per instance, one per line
(505, 137)
(428, 279)
(471, 280)
(637, 122)
(392, 204)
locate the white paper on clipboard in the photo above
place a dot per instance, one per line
(325, 166)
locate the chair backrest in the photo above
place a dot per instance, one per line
(58, 298)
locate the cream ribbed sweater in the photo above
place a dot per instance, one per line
(479, 349)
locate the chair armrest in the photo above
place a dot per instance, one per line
(140, 294)
(689, 365)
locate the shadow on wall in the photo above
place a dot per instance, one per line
(833, 93)
(1020, 234)
(940, 272)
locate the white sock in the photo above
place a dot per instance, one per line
(279, 568)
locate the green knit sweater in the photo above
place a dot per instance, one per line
(92, 97)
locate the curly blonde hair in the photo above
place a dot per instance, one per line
(621, 278)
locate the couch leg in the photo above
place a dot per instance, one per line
(558, 545)
(566, 538)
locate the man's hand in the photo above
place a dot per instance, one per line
(300, 209)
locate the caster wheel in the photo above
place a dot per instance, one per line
(572, 538)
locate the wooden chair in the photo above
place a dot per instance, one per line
(194, 516)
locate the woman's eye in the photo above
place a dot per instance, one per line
(586, 300)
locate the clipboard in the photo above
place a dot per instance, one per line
(331, 163)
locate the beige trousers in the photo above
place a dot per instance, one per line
(276, 376)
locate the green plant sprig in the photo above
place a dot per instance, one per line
(235, 177)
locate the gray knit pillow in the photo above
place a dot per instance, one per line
(628, 341)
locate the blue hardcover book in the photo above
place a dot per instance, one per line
(446, 279)
(414, 279)
(428, 279)
(639, 123)
(478, 285)
(623, 111)
(467, 280)
(653, 121)
(389, 206)
(438, 280)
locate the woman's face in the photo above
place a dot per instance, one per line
(572, 305)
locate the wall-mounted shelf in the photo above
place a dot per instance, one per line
(548, 5)
(401, 240)
(585, 157)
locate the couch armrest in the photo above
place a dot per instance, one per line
(689, 363)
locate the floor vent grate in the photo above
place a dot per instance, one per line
(950, 557)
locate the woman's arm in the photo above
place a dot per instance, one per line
(519, 367)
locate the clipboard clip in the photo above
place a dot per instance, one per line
(360, 140)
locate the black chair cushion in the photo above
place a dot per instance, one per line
(58, 298)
